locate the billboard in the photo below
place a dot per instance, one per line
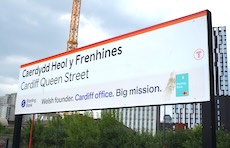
(161, 64)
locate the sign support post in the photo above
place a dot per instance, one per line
(17, 131)
(208, 108)
(209, 128)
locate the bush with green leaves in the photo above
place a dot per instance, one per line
(83, 131)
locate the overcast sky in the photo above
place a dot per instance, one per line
(34, 29)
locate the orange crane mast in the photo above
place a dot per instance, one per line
(74, 25)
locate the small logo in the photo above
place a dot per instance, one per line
(23, 104)
(198, 54)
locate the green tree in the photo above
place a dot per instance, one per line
(53, 133)
(81, 131)
(25, 133)
(194, 139)
(2, 128)
(113, 133)
(146, 140)
(6, 131)
(37, 133)
(223, 139)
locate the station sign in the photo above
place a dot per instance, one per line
(166, 63)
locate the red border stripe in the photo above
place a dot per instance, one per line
(134, 33)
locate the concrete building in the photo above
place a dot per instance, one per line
(220, 65)
(191, 114)
(3, 107)
(7, 106)
(141, 119)
(221, 74)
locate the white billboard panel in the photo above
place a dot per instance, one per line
(162, 64)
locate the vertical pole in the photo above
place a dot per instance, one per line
(31, 132)
(164, 145)
(17, 131)
(208, 110)
(7, 142)
(209, 128)
(158, 118)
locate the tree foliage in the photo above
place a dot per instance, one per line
(5, 131)
(194, 138)
(1, 128)
(84, 132)
(223, 138)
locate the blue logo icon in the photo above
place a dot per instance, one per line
(23, 104)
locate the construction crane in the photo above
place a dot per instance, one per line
(74, 25)
(71, 44)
